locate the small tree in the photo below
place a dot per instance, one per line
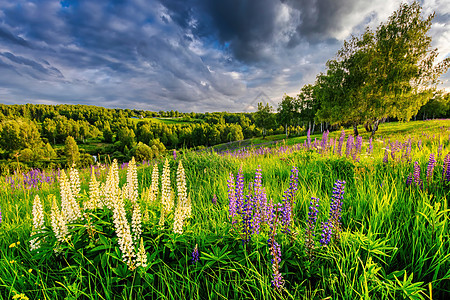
(264, 118)
(71, 151)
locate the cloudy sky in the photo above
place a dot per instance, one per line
(185, 55)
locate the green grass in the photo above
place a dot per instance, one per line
(394, 243)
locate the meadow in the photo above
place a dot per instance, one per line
(326, 216)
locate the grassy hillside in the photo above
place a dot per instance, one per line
(389, 235)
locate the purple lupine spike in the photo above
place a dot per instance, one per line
(341, 142)
(336, 206)
(233, 205)
(293, 184)
(359, 142)
(370, 147)
(239, 191)
(247, 211)
(327, 231)
(195, 254)
(311, 227)
(446, 168)
(417, 179)
(308, 139)
(386, 155)
(214, 199)
(286, 213)
(324, 142)
(275, 250)
(174, 154)
(409, 180)
(349, 146)
(430, 167)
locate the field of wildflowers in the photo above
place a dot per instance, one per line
(318, 217)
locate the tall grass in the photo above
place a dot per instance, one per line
(394, 241)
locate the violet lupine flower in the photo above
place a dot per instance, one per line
(341, 142)
(430, 167)
(239, 191)
(214, 199)
(246, 213)
(311, 226)
(275, 251)
(358, 146)
(327, 232)
(195, 254)
(446, 168)
(308, 139)
(417, 179)
(370, 147)
(386, 155)
(286, 213)
(293, 185)
(174, 154)
(232, 201)
(409, 180)
(349, 146)
(336, 206)
(324, 142)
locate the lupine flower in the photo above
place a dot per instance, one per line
(386, 155)
(141, 257)
(358, 145)
(0, 216)
(174, 154)
(446, 168)
(439, 152)
(417, 179)
(75, 184)
(58, 223)
(214, 199)
(182, 190)
(132, 182)
(195, 254)
(154, 189)
(94, 201)
(308, 138)
(370, 147)
(286, 213)
(327, 232)
(324, 142)
(275, 251)
(341, 142)
(430, 167)
(136, 221)
(38, 221)
(166, 190)
(247, 212)
(336, 206)
(349, 146)
(311, 227)
(409, 180)
(232, 201)
(239, 191)
(70, 208)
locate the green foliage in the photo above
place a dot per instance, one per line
(19, 134)
(264, 118)
(71, 151)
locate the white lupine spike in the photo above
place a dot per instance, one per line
(70, 209)
(155, 183)
(58, 223)
(132, 182)
(123, 231)
(136, 221)
(166, 191)
(75, 184)
(94, 201)
(141, 258)
(38, 222)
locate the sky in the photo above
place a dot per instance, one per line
(185, 55)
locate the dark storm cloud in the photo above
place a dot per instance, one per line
(172, 54)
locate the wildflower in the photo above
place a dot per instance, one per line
(195, 254)
(20, 297)
(311, 225)
(136, 221)
(247, 212)
(13, 245)
(174, 154)
(446, 168)
(132, 182)
(182, 190)
(417, 179)
(38, 221)
(327, 231)
(232, 203)
(94, 193)
(214, 199)
(58, 222)
(141, 258)
(386, 155)
(239, 191)
(370, 147)
(30, 270)
(308, 138)
(154, 189)
(409, 179)
(12, 261)
(75, 184)
(430, 167)
(341, 142)
(0, 216)
(70, 209)
(111, 188)
(275, 251)
(166, 191)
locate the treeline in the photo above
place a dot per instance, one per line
(37, 134)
